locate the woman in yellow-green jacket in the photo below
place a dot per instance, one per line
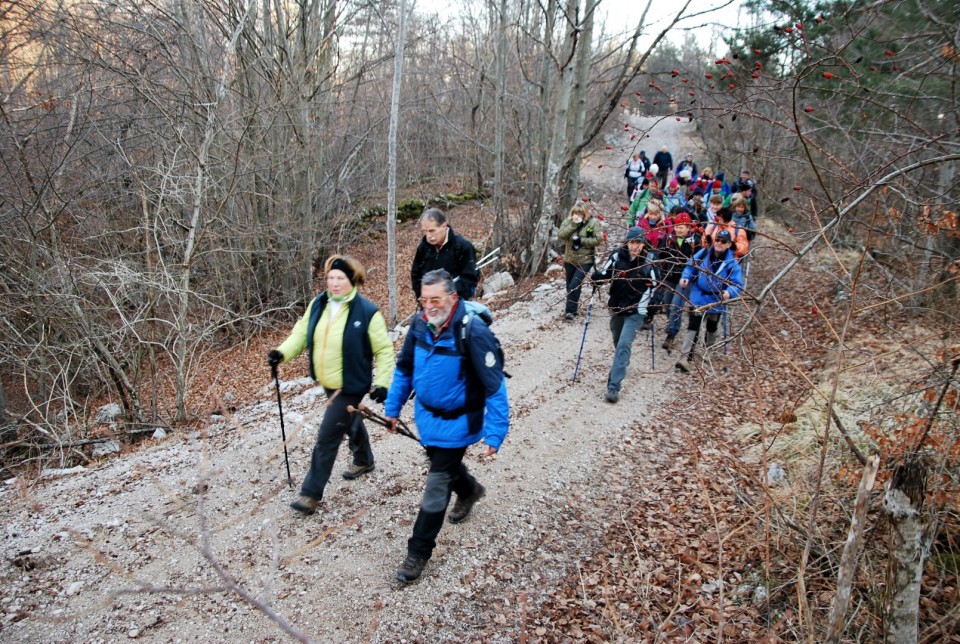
(344, 335)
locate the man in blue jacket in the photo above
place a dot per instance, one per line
(460, 401)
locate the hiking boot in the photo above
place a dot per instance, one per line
(356, 471)
(684, 364)
(305, 504)
(613, 395)
(569, 316)
(667, 343)
(709, 339)
(461, 509)
(411, 569)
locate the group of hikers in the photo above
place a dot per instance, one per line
(683, 251)
(450, 359)
(678, 255)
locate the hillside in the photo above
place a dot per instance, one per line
(601, 521)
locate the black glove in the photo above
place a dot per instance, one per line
(274, 358)
(597, 276)
(379, 395)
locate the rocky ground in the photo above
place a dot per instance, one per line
(601, 522)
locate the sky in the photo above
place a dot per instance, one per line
(622, 15)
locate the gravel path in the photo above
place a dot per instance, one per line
(130, 549)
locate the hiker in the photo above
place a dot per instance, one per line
(653, 225)
(634, 172)
(714, 204)
(664, 163)
(674, 196)
(344, 335)
(680, 246)
(724, 221)
(714, 277)
(440, 247)
(646, 191)
(579, 233)
(738, 206)
(687, 168)
(460, 401)
(696, 208)
(632, 277)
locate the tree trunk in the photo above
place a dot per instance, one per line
(392, 165)
(908, 545)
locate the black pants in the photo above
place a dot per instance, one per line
(575, 276)
(336, 424)
(713, 321)
(447, 474)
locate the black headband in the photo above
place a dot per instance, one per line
(340, 265)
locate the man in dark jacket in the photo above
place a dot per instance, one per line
(664, 161)
(443, 248)
(632, 278)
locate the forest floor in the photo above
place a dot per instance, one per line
(601, 522)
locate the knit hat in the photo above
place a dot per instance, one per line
(636, 234)
(674, 183)
(682, 219)
(717, 183)
(654, 168)
(724, 236)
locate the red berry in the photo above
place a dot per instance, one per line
(799, 25)
(709, 76)
(756, 51)
(789, 30)
(797, 188)
(757, 65)
(808, 109)
(827, 75)
(889, 52)
(720, 61)
(755, 75)
(873, 68)
(600, 165)
(814, 309)
(674, 73)
(600, 217)
(819, 18)
(692, 93)
(732, 86)
(624, 207)
(586, 198)
(609, 147)
(642, 101)
(678, 118)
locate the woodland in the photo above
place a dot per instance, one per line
(171, 169)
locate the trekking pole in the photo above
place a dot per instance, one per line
(489, 258)
(586, 323)
(283, 432)
(365, 412)
(653, 352)
(724, 332)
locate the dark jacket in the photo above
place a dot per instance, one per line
(630, 279)
(457, 256)
(664, 161)
(674, 255)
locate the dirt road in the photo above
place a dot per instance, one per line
(131, 549)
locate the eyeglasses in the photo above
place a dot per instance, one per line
(432, 301)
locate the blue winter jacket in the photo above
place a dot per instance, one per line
(711, 277)
(435, 370)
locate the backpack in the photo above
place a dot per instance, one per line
(462, 338)
(476, 396)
